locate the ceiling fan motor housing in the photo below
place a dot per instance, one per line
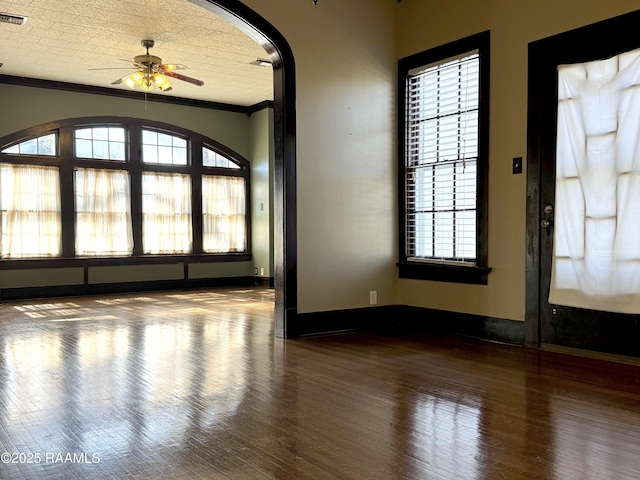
(147, 60)
(150, 71)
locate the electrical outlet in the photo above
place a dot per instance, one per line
(255, 271)
(261, 272)
(373, 297)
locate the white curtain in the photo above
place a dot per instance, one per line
(223, 210)
(596, 262)
(30, 209)
(166, 213)
(103, 213)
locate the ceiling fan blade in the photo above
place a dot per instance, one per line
(114, 68)
(173, 66)
(117, 82)
(184, 78)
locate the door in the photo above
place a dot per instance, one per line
(594, 327)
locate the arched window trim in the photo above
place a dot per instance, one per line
(68, 162)
(37, 140)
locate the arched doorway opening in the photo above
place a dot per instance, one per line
(285, 242)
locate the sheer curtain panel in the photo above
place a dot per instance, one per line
(166, 213)
(30, 209)
(223, 210)
(103, 213)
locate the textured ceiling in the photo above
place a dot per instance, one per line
(63, 39)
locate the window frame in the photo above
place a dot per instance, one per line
(425, 269)
(67, 163)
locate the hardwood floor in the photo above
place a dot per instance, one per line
(192, 385)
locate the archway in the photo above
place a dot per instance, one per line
(285, 242)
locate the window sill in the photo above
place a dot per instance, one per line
(444, 272)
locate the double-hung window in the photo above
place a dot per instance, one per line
(443, 162)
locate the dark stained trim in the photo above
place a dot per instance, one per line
(405, 320)
(340, 321)
(266, 282)
(444, 272)
(133, 95)
(122, 287)
(67, 163)
(434, 271)
(67, 142)
(284, 107)
(428, 320)
(259, 106)
(599, 40)
(30, 264)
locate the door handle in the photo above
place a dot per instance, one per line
(547, 223)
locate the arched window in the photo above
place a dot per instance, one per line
(121, 188)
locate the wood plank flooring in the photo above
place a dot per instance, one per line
(192, 385)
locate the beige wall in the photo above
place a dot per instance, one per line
(513, 24)
(345, 79)
(346, 85)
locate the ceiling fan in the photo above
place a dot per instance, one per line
(150, 72)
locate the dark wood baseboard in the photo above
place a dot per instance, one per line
(387, 319)
(122, 287)
(337, 321)
(266, 282)
(404, 320)
(427, 320)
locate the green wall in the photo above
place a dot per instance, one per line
(262, 155)
(24, 107)
(250, 136)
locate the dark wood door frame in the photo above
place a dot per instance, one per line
(599, 40)
(285, 240)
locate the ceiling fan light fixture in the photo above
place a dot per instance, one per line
(159, 79)
(147, 85)
(137, 77)
(151, 73)
(128, 81)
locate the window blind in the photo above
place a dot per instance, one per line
(441, 159)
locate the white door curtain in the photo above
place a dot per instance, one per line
(596, 261)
